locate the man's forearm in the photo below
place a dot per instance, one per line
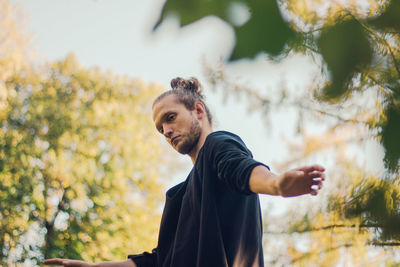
(263, 181)
(126, 263)
(79, 263)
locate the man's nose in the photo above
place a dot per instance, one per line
(167, 131)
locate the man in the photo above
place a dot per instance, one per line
(213, 218)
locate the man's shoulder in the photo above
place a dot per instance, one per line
(223, 138)
(218, 136)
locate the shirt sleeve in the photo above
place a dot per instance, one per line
(145, 259)
(233, 162)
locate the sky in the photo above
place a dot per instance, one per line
(117, 35)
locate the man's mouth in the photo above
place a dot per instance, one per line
(174, 140)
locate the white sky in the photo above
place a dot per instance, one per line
(116, 35)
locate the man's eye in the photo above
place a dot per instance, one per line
(171, 117)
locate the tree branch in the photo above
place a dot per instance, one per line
(327, 113)
(328, 227)
(384, 244)
(309, 254)
(387, 45)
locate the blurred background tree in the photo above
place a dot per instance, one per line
(80, 161)
(355, 98)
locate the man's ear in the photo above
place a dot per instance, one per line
(199, 110)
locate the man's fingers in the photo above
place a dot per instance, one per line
(311, 168)
(316, 184)
(317, 174)
(314, 192)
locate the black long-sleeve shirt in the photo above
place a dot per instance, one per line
(212, 218)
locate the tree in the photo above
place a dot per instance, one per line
(357, 48)
(14, 48)
(79, 165)
(339, 231)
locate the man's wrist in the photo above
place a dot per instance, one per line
(276, 185)
(263, 181)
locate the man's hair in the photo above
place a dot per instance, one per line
(187, 92)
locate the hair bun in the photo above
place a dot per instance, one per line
(192, 85)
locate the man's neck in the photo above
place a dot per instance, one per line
(195, 152)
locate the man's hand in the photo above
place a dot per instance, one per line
(78, 263)
(300, 181)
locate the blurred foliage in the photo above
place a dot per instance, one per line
(191, 10)
(358, 227)
(362, 216)
(390, 134)
(14, 47)
(359, 46)
(390, 19)
(356, 44)
(377, 203)
(80, 162)
(265, 22)
(343, 55)
(79, 165)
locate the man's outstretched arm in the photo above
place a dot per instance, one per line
(78, 263)
(296, 182)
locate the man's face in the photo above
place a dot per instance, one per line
(179, 125)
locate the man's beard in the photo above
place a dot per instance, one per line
(192, 138)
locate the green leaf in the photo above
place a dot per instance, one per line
(390, 19)
(377, 202)
(345, 49)
(189, 11)
(391, 136)
(265, 31)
